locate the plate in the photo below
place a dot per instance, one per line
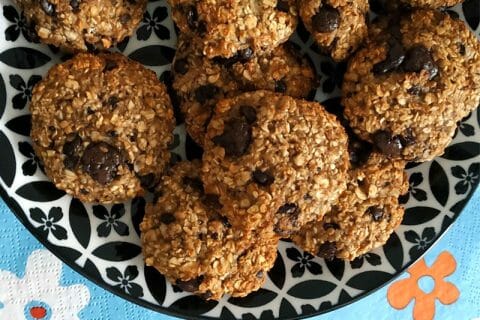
(102, 242)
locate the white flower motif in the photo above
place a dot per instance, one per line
(38, 295)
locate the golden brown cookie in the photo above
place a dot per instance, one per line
(186, 238)
(101, 126)
(80, 25)
(274, 160)
(414, 80)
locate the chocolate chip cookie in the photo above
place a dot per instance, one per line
(366, 214)
(186, 238)
(338, 26)
(200, 82)
(81, 25)
(101, 126)
(228, 27)
(416, 77)
(430, 3)
(274, 160)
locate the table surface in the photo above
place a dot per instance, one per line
(449, 285)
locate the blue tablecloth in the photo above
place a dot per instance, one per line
(20, 255)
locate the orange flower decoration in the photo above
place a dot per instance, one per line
(403, 291)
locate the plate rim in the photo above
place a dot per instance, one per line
(20, 216)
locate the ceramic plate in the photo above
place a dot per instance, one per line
(102, 242)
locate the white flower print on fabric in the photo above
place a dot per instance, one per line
(39, 295)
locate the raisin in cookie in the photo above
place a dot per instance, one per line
(200, 82)
(80, 25)
(274, 160)
(101, 126)
(227, 27)
(365, 216)
(417, 76)
(186, 239)
(338, 26)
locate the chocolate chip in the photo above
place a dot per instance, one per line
(48, 7)
(241, 56)
(206, 92)
(190, 285)
(327, 250)
(211, 201)
(75, 4)
(72, 150)
(101, 160)
(359, 151)
(418, 58)
(167, 218)
(283, 6)
(408, 138)
(207, 295)
(249, 113)
(83, 191)
(214, 236)
(388, 144)
(109, 65)
(201, 28)
(289, 209)
(395, 57)
(125, 18)
(192, 16)
(280, 86)
(194, 183)
(326, 20)
(331, 225)
(181, 66)
(236, 137)
(113, 101)
(147, 181)
(245, 55)
(376, 213)
(461, 49)
(262, 178)
(415, 90)
(90, 111)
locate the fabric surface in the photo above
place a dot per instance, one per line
(443, 285)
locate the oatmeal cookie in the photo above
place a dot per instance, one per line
(338, 26)
(365, 216)
(186, 238)
(200, 82)
(80, 25)
(418, 75)
(228, 27)
(433, 4)
(101, 126)
(274, 160)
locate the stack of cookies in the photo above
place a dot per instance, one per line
(275, 164)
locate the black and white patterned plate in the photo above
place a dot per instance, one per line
(102, 242)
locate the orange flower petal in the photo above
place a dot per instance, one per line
(444, 266)
(424, 308)
(446, 292)
(419, 269)
(401, 293)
